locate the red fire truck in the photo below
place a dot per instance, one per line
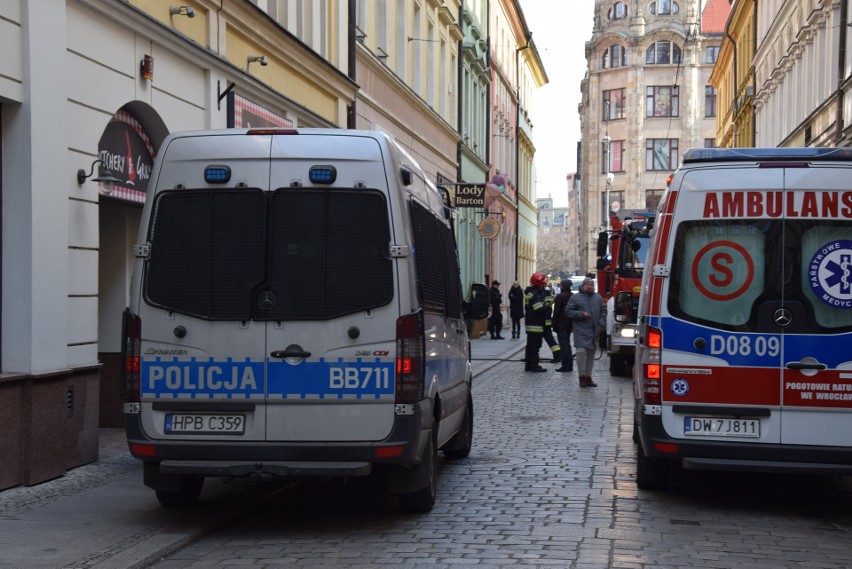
(621, 255)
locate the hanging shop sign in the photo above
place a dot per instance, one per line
(127, 152)
(470, 195)
(489, 228)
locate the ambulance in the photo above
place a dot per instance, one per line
(295, 312)
(744, 355)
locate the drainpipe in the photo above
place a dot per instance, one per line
(351, 59)
(736, 88)
(841, 67)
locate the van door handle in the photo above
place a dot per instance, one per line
(290, 352)
(800, 365)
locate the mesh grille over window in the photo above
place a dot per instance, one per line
(207, 251)
(437, 264)
(322, 253)
(329, 253)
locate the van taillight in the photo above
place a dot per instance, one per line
(651, 368)
(131, 340)
(410, 364)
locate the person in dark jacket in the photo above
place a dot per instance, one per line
(551, 342)
(563, 325)
(587, 311)
(537, 310)
(495, 321)
(516, 308)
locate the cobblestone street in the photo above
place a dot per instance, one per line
(549, 483)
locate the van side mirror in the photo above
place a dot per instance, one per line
(405, 175)
(479, 301)
(447, 201)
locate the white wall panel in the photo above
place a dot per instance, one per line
(82, 325)
(83, 223)
(11, 65)
(82, 272)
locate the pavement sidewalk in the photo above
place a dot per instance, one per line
(101, 515)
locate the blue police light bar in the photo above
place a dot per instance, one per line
(217, 174)
(322, 174)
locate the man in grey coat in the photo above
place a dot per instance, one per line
(587, 311)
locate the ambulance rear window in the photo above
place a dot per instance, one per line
(735, 274)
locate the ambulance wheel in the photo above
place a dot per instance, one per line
(423, 500)
(459, 446)
(187, 494)
(651, 473)
(635, 431)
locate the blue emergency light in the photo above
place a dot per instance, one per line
(322, 174)
(217, 174)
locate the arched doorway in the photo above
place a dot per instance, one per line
(128, 146)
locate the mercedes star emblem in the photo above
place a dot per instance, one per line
(266, 300)
(782, 317)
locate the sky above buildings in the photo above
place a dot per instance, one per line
(560, 29)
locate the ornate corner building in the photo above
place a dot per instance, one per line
(646, 99)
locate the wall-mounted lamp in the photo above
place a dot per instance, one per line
(257, 59)
(187, 11)
(107, 179)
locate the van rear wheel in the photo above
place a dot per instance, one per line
(423, 500)
(459, 446)
(651, 473)
(186, 495)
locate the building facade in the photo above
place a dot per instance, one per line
(646, 99)
(107, 80)
(803, 43)
(516, 72)
(91, 87)
(733, 78)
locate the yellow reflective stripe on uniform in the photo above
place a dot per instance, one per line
(535, 329)
(537, 305)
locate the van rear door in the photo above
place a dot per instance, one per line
(754, 350)
(816, 314)
(722, 357)
(203, 357)
(332, 310)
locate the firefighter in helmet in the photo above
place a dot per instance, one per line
(536, 312)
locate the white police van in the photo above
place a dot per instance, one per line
(744, 360)
(296, 311)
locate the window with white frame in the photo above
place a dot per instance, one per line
(662, 101)
(712, 54)
(663, 8)
(662, 52)
(613, 104)
(614, 56)
(617, 11)
(615, 157)
(661, 154)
